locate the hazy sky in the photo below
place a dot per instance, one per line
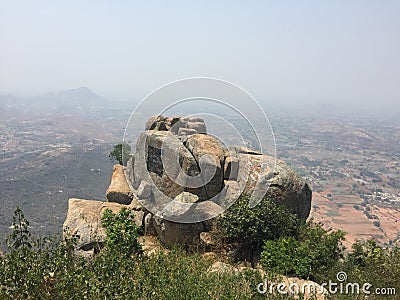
(288, 51)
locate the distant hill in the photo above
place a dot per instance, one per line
(73, 101)
(65, 102)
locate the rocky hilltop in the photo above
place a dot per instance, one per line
(180, 179)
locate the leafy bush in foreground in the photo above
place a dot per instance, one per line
(20, 238)
(370, 263)
(54, 274)
(314, 252)
(48, 269)
(121, 232)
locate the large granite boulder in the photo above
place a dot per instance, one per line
(172, 233)
(282, 184)
(163, 159)
(207, 149)
(83, 222)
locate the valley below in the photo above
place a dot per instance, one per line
(351, 162)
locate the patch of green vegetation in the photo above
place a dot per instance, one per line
(370, 263)
(48, 268)
(120, 153)
(122, 232)
(309, 255)
(332, 213)
(250, 227)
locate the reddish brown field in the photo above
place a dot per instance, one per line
(341, 214)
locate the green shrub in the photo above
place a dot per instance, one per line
(27, 271)
(249, 227)
(53, 274)
(313, 253)
(365, 253)
(280, 256)
(370, 263)
(20, 238)
(121, 232)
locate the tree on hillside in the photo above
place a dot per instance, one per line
(120, 153)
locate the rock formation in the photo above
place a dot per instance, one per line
(179, 171)
(119, 190)
(83, 222)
